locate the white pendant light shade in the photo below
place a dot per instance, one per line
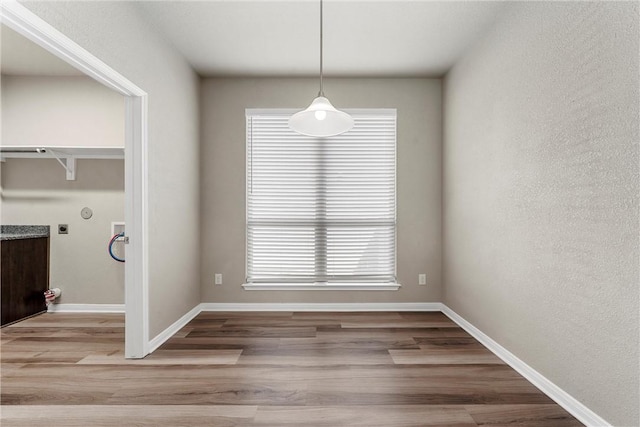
(321, 119)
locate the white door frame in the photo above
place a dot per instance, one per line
(37, 30)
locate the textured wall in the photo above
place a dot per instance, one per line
(418, 102)
(61, 111)
(541, 195)
(35, 191)
(119, 36)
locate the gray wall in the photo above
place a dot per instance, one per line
(115, 33)
(541, 195)
(418, 102)
(35, 191)
(61, 111)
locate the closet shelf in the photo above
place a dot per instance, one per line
(66, 156)
(45, 152)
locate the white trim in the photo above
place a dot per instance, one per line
(136, 219)
(561, 397)
(28, 24)
(175, 327)
(321, 287)
(85, 308)
(370, 306)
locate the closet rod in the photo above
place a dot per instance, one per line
(27, 150)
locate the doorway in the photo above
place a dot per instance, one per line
(136, 295)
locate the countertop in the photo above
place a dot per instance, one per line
(15, 232)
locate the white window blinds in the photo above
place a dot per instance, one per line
(321, 210)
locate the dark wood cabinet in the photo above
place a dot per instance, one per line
(25, 278)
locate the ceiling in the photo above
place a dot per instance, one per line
(398, 38)
(20, 56)
(361, 38)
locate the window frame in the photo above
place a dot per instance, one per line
(349, 286)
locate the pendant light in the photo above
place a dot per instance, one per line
(321, 118)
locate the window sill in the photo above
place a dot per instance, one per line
(322, 287)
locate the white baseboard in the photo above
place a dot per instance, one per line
(561, 397)
(399, 306)
(175, 327)
(85, 308)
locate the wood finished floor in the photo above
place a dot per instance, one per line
(265, 369)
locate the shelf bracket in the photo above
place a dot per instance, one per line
(68, 163)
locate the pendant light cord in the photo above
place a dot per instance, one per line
(321, 93)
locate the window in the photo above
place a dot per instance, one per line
(321, 211)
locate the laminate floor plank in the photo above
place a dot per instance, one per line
(435, 385)
(400, 324)
(280, 322)
(220, 343)
(364, 416)
(168, 357)
(63, 343)
(458, 375)
(356, 343)
(448, 343)
(224, 315)
(177, 391)
(381, 392)
(37, 357)
(422, 315)
(383, 316)
(69, 323)
(206, 324)
(316, 359)
(257, 331)
(422, 357)
(67, 332)
(129, 415)
(8, 368)
(58, 393)
(73, 320)
(522, 415)
(249, 369)
(182, 333)
(384, 332)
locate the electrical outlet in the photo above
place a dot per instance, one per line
(422, 279)
(218, 279)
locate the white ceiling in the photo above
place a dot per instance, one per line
(362, 38)
(281, 37)
(20, 56)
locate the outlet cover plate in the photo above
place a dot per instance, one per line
(422, 279)
(218, 279)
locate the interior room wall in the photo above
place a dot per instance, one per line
(541, 193)
(61, 111)
(223, 165)
(66, 111)
(119, 36)
(35, 192)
